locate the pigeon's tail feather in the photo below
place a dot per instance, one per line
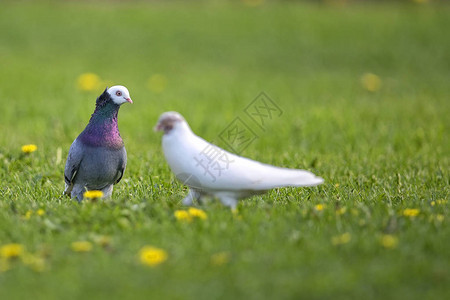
(304, 178)
(280, 177)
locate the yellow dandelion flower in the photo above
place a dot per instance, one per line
(27, 215)
(94, 194)
(440, 217)
(336, 185)
(341, 239)
(157, 83)
(89, 82)
(40, 212)
(102, 240)
(81, 246)
(389, 241)
(182, 215)
(197, 213)
(371, 82)
(35, 263)
(341, 211)
(220, 258)
(411, 212)
(152, 256)
(11, 250)
(29, 148)
(319, 207)
(439, 202)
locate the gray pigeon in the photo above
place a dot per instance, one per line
(211, 171)
(97, 158)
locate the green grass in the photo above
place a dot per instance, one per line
(380, 153)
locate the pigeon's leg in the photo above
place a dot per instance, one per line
(77, 192)
(189, 199)
(78, 195)
(229, 201)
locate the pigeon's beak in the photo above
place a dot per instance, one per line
(129, 100)
(158, 127)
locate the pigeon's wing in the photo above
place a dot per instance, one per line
(122, 165)
(72, 165)
(197, 162)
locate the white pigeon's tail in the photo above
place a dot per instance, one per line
(281, 177)
(274, 177)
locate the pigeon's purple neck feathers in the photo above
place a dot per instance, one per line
(103, 130)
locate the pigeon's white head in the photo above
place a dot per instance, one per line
(119, 94)
(170, 121)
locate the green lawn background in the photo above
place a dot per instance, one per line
(379, 152)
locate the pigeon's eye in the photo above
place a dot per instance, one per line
(118, 93)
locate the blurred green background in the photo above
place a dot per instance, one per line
(364, 89)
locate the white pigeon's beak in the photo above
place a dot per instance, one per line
(158, 127)
(129, 100)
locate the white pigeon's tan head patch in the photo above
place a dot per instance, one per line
(168, 120)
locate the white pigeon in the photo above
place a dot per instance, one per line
(211, 171)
